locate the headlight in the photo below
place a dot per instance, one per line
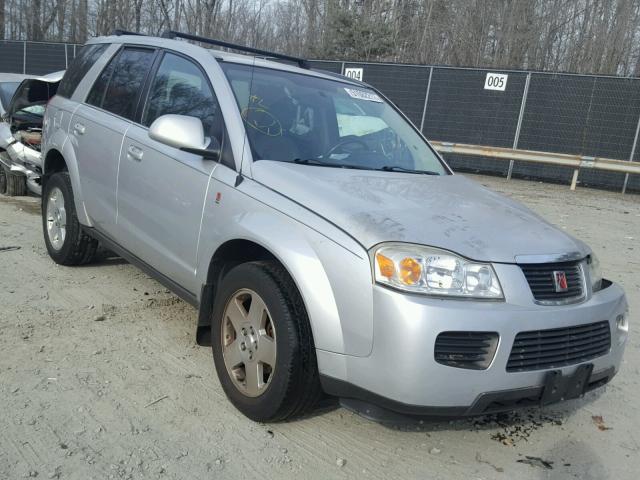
(595, 275)
(432, 271)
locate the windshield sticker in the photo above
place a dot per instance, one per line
(257, 116)
(363, 95)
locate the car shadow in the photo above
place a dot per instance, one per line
(104, 258)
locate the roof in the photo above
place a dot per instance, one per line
(185, 47)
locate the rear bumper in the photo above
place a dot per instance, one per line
(401, 373)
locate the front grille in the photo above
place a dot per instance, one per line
(540, 277)
(472, 350)
(559, 347)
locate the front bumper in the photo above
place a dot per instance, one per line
(401, 373)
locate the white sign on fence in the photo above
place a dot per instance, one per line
(496, 81)
(355, 73)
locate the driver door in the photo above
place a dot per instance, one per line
(161, 189)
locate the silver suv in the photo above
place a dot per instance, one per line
(327, 246)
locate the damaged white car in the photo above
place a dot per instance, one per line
(21, 135)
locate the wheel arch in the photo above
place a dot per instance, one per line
(54, 162)
(321, 310)
(229, 254)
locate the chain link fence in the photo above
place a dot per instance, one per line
(588, 115)
(35, 58)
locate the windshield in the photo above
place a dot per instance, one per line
(35, 110)
(299, 118)
(7, 89)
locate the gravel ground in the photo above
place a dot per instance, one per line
(100, 378)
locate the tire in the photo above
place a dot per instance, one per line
(293, 386)
(16, 185)
(3, 181)
(71, 246)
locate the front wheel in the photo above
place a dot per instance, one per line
(66, 243)
(262, 343)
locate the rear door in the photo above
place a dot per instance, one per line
(161, 190)
(98, 127)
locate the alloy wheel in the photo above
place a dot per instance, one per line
(248, 342)
(56, 218)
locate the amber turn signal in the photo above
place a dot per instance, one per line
(410, 271)
(385, 265)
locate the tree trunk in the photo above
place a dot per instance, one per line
(35, 19)
(82, 20)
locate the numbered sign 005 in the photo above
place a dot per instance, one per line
(496, 81)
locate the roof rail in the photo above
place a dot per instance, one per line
(117, 32)
(302, 63)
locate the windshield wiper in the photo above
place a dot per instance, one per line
(390, 168)
(321, 163)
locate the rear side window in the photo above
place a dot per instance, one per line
(79, 68)
(118, 86)
(96, 95)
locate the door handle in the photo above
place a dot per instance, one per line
(79, 128)
(134, 153)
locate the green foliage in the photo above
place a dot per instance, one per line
(354, 34)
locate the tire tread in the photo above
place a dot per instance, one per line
(302, 395)
(16, 185)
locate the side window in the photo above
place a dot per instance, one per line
(118, 86)
(79, 68)
(181, 88)
(96, 95)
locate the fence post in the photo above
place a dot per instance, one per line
(66, 56)
(426, 99)
(633, 152)
(342, 69)
(523, 105)
(24, 57)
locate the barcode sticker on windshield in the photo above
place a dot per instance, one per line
(362, 95)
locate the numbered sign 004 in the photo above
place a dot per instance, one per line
(355, 73)
(496, 81)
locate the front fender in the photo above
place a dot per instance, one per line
(335, 282)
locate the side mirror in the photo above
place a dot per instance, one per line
(185, 133)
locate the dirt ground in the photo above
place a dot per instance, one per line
(100, 378)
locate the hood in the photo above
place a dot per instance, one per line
(449, 212)
(35, 91)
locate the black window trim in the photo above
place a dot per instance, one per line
(225, 140)
(162, 53)
(114, 58)
(143, 96)
(98, 45)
